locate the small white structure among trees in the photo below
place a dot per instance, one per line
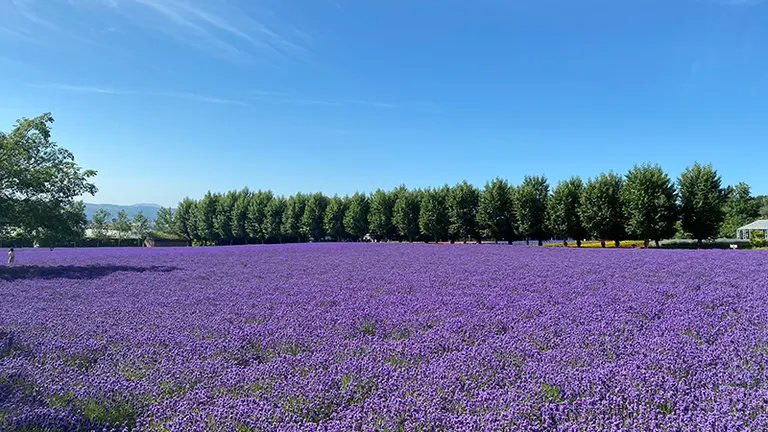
(745, 232)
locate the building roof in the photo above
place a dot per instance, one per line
(756, 225)
(112, 234)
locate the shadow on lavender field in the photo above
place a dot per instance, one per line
(76, 272)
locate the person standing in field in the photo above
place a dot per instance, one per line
(11, 256)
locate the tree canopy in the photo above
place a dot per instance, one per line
(531, 207)
(39, 181)
(496, 211)
(702, 200)
(563, 216)
(601, 207)
(649, 203)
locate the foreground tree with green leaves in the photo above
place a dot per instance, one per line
(184, 220)
(312, 221)
(740, 208)
(273, 218)
(333, 221)
(702, 201)
(39, 181)
(463, 201)
(382, 204)
(496, 210)
(294, 210)
(60, 224)
(256, 216)
(563, 217)
(405, 214)
(531, 208)
(649, 203)
(239, 215)
(433, 217)
(356, 216)
(601, 210)
(222, 219)
(205, 216)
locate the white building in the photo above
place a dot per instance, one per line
(745, 232)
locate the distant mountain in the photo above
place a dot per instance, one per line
(149, 210)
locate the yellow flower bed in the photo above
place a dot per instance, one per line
(625, 244)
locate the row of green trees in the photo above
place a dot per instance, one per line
(645, 203)
(104, 227)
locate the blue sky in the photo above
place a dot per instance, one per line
(168, 98)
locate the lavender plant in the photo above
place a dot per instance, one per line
(384, 337)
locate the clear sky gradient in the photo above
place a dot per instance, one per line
(168, 98)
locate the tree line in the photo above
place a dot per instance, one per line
(644, 203)
(40, 181)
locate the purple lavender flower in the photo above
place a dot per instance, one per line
(338, 337)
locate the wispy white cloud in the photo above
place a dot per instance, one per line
(740, 2)
(146, 93)
(286, 98)
(81, 89)
(336, 4)
(217, 27)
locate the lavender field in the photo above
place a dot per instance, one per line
(384, 337)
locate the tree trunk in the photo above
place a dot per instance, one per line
(657, 243)
(646, 243)
(618, 243)
(541, 242)
(578, 243)
(527, 241)
(602, 243)
(698, 243)
(565, 242)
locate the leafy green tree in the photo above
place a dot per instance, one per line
(333, 221)
(273, 221)
(36, 175)
(531, 208)
(702, 199)
(140, 227)
(495, 212)
(164, 220)
(380, 216)
(205, 215)
(433, 218)
(184, 221)
(100, 225)
(257, 215)
(222, 218)
(406, 212)
(312, 221)
(741, 208)
(294, 210)
(601, 210)
(563, 218)
(240, 215)
(122, 225)
(59, 224)
(356, 216)
(763, 205)
(650, 204)
(463, 202)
